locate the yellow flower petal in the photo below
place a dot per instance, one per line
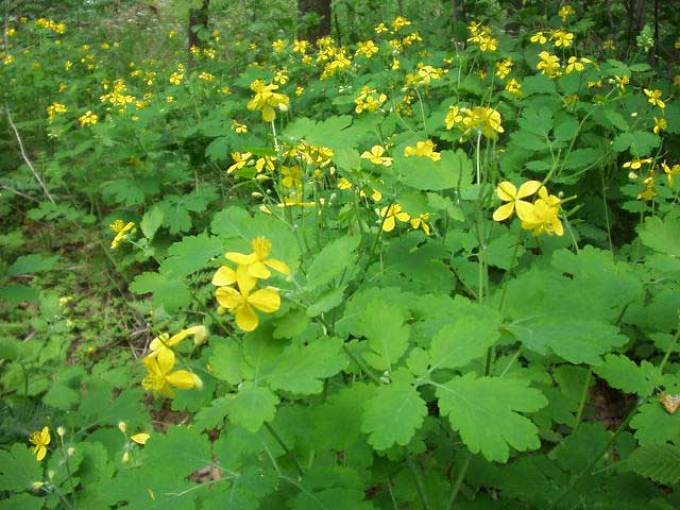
(246, 318)
(259, 270)
(528, 188)
(241, 258)
(228, 297)
(40, 452)
(504, 211)
(506, 191)
(224, 276)
(165, 360)
(140, 438)
(389, 224)
(182, 379)
(267, 300)
(524, 209)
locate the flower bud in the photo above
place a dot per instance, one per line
(61, 431)
(122, 426)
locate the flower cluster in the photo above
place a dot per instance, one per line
(539, 217)
(267, 100)
(482, 36)
(549, 64)
(389, 215)
(118, 96)
(162, 378)
(88, 119)
(423, 149)
(483, 119)
(57, 28)
(375, 156)
(54, 110)
(242, 299)
(369, 100)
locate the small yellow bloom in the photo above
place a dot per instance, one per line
(671, 172)
(507, 192)
(539, 38)
(636, 163)
(238, 128)
(241, 159)
(503, 68)
(654, 98)
(122, 231)
(485, 119)
(88, 119)
(367, 48)
(376, 157)
(390, 215)
(267, 163)
(279, 46)
(565, 12)
(542, 217)
(40, 440)
(453, 117)
(660, 125)
(424, 149)
(140, 438)
(243, 304)
(421, 222)
(266, 100)
(563, 39)
(162, 379)
(256, 263)
(514, 87)
(549, 64)
(165, 341)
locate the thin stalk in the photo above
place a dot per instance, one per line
(419, 483)
(362, 365)
(584, 397)
(287, 450)
(459, 480)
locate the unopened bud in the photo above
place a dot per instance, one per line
(71, 451)
(61, 431)
(122, 426)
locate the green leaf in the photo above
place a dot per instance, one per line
(34, 263)
(252, 406)
(22, 502)
(18, 468)
(189, 255)
(232, 222)
(194, 446)
(387, 335)
(213, 415)
(661, 235)
(573, 339)
(485, 411)
(331, 132)
(15, 294)
(453, 170)
(623, 374)
(654, 425)
(334, 259)
(302, 369)
(457, 344)
(151, 222)
(226, 362)
(393, 415)
(661, 463)
(167, 291)
(640, 143)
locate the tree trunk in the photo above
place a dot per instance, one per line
(198, 18)
(322, 8)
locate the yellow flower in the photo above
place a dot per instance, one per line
(291, 176)
(636, 163)
(266, 100)
(376, 157)
(238, 128)
(241, 159)
(563, 38)
(390, 215)
(424, 149)
(485, 119)
(369, 100)
(200, 334)
(122, 231)
(381, 28)
(40, 440)
(243, 304)
(660, 125)
(279, 45)
(577, 64)
(453, 116)
(503, 68)
(654, 98)
(299, 91)
(344, 184)
(421, 222)
(539, 38)
(622, 81)
(207, 77)
(300, 46)
(54, 110)
(140, 438)
(267, 163)
(514, 87)
(507, 192)
(542, 217)
(549, 64)
(400, 22)
(89, 119)
(252, 266)
(565, 12)
(671, 172)
(368, 49)
(162, 379)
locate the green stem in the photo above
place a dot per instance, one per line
(287, 450)
(419, 483)
(362, 365)
(459, 480)
(584, 397)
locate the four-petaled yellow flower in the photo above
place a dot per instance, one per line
(654, 97)
(122, 231)
(509, 193)
(671, 172)
(549, 64)
(165, 341)
(40, 440)
(660, 125)
(266, 100)
(241, 159)
(563, 38)
(485, 119)
(423, 149)
(636, 163)
(542, 217)
(243, 303)
(88, 119)
(421, 222)
(376, 157)
(162, 379)
(390, 215)
(255, 264)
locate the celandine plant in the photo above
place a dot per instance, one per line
(415, 276)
